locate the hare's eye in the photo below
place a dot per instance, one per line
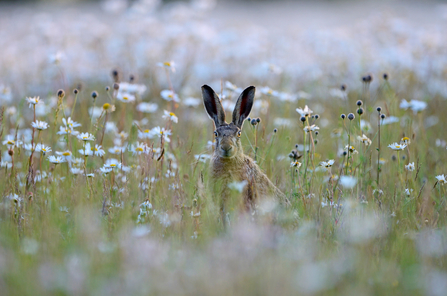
(239, 133)
(215, 133)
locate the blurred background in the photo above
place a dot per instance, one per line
(47, 45)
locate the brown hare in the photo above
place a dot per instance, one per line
(229, 163)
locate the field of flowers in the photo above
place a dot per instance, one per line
(106, 145)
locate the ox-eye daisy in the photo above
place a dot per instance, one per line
(39, 125)
(56, 159)
(169, 95)
(32, 101)
(304, 112)
(87, 151)
(170, 115)
(139, 148)
(98, 151)
(125, 97)
(397, 147)
(70, 123)
(311, 128)
(327, 164)
(364, 139)
(67, 131)
(86, 137)
(410, 167)
(441, 179)
(43, 149)
(66, 154)
(295, 164)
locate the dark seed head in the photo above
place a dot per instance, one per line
(61, 93)
(248, 119)
(345, 153)
(11, 152)
(75, 91)
(116, 86)
(382, 116)
(317, 116)
(360, 111)
(94, 95)
(107, 88)
(343, 116)
(351, 116)
(343, 87)
(359, 103)
(393, 157)
(254, 122)
(258, 120)
(303, 119)
(403, 157)
(379, 109)
(115, 75)
(385, 76)
(275, 130)
(132, 78)
(316, 133)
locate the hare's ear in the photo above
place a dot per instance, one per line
(243, 106)
(212, 105)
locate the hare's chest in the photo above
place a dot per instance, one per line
(229, 172)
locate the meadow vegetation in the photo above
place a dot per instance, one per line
(104, 182)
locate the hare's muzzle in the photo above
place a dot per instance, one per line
(226, 149)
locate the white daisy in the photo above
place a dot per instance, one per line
(125, 97)
(86, 137)
(170, 116)
(98, 151)
(304, 112)
(169, 95)
(168, 65)
(67, 131)
(295, 164)
(70, 123)
(117, 150)
(56, 159)
(66, 154)
(32, 101)
(39, 125)
(397, 147)
(86, 151)
(147, 107)
(43, 149)
(365, 140)
(441, 179)
(139, 148)
(327, 164)
(410, 167)
(311, 128)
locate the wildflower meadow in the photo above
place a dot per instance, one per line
(106, 147)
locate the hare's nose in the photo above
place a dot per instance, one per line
(226, 148)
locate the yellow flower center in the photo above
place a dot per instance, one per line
(139, 149)
(125, 98)
(113, 165)
(106, 106)
(171, 114)
(146, 131)
(397, 146)
(167, 64)
(66, 153)
(11, 142)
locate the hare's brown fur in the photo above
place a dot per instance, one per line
(229, 163)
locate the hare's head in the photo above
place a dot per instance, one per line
(228, 135)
